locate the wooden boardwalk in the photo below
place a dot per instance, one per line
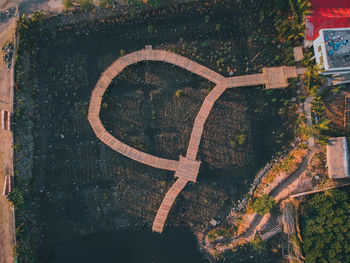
(186, 168)
(167, 203)
(201, 118)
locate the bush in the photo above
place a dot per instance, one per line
(326, 228)
(105, 3)
(241, 139)
(264, 204)
(178, 93)
(139, 3)
(28, 29)
(233, 144)
(221, 232)
(16, 198)
(67, 4)
(85, 4)
(257, 244)
(150, 29)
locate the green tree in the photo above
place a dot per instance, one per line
(326, 228)
(67, 4)
(264, 204)
(291, 22)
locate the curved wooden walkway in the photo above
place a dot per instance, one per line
(186, 168)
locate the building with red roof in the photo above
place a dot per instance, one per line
(327, 28)
(327, 14)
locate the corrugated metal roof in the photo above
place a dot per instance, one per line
(327, 14)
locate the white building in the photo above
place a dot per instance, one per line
(332, 53)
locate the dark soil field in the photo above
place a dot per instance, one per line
(75, 185)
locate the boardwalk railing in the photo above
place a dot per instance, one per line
(186, 168)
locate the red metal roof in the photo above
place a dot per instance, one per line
(327, 14)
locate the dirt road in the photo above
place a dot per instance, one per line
(6, 210)
(29, 6)
(7, 227)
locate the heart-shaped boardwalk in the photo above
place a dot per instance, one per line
(187, 167)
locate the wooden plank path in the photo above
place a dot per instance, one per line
(186, 168)
(167, 203)
(201, 118)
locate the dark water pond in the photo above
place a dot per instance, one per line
(173, 246)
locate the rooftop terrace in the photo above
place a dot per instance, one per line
(337, 47)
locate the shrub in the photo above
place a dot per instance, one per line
(16, 198)
(257, 244)
(241, 139)
(139, 3)
(178, 93)
(204, 44)
(105, 3)
(264, 204)
(27, 29)
(150, 29)
(233, 144)
(67, 4)
(85, 4)
(221, 232)
(162, 184)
